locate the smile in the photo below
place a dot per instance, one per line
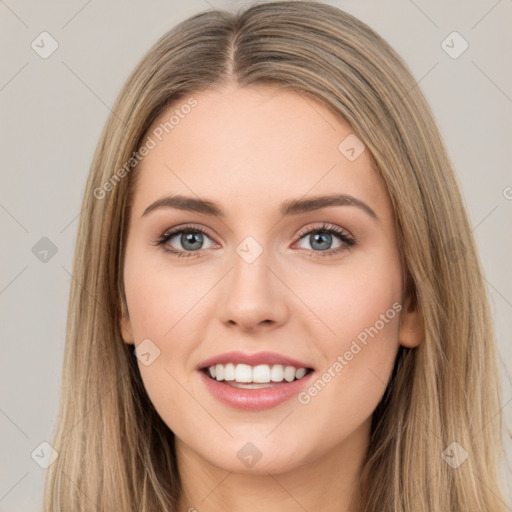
(255, 377)
(254, 382)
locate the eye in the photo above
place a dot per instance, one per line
(190, 239)
(321, 241)
(187, 241)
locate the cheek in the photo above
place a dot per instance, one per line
(158, 311)
(158, 297)
(351, 299)
(358, 337)
(164, 317)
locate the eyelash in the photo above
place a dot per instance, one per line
(348, 240)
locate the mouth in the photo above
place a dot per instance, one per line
(254, 382)
(261, 376)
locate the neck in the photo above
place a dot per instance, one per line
(326, 484)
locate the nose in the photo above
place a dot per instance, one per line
(253, 298)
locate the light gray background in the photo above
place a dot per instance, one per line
(53, 111)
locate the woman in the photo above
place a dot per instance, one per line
(277, 301)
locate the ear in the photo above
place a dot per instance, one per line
(126, 326)
(411, 330)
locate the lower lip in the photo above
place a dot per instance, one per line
(254, 399)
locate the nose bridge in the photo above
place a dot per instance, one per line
(250, 281)
(250, 270)
(251, 296)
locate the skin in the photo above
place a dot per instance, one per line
(249, 149)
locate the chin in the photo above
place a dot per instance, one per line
(255, 458)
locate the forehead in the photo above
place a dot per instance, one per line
(254, 146)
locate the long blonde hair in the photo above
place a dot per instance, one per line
(115, 452)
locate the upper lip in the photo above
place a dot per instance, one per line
(254, 359)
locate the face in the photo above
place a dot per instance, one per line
(291, 301)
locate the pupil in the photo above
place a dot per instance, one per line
(321, 237)
(191, 238)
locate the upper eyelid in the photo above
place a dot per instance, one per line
(326, 226)
(172, 232)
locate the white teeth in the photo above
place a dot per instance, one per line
(289, 373)
(277, 373)
(260, 374)
(229, 372)
(300, 373)
(243, 373)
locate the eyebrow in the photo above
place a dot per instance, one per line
(288, 208)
